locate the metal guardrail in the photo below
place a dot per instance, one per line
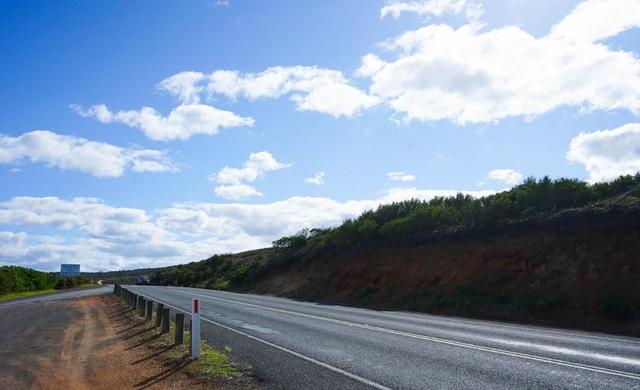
(144, 304)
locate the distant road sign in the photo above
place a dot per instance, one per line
(69, 269)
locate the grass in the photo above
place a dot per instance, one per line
(211, 364)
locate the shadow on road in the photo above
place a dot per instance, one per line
(144, 346)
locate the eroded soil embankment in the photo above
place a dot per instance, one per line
(88, 343)
(570, 276)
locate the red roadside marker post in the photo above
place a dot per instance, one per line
(195, 329)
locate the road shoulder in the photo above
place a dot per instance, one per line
(89, 343)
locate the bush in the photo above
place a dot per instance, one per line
(240, 274)
(18, 279)
(71, 282)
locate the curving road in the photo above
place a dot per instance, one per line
(296, 345)
(60, 295)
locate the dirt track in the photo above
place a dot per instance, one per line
(81, 344)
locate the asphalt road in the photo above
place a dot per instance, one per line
(297, 345)
(59, 295)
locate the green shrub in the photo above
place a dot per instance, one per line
(240, 274)
(71, 282)
(18, 279)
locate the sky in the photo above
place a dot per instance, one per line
(145, 133)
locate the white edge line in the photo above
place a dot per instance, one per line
(454, 320)
(439, 340)
(297, 354)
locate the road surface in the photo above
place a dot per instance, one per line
(60, 295)
(296, 345)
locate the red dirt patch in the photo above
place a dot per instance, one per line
(90, 343)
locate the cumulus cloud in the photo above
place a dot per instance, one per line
(236, 191)
(311, 88)
(184, 85)
(106, 237)
(13, 244)
(594, 20)
(371, 64)
(182, 122)
(317, 179)
(400, 176)
(103, 231)
(472, 9)
(471, 75)
(506, 176)
(233, 180)
(74, 153)
(607, 154)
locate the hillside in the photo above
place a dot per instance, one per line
(560, 252)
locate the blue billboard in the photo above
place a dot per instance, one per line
(69, 269)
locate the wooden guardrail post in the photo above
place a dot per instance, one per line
(164, 324)
(149, 312)
(179, 328)
(142, 305)
(159, 308)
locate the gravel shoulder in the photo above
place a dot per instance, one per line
(87, 343)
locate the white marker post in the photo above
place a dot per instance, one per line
(195, 329)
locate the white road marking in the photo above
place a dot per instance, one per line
(434, 339)
(287, 350)
(455, 321)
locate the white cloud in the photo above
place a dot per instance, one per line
(222, 3)
(469, 75)
(607, 154)
(506, 176)
(317, 179)
(400, 176)
(182, 122)
(236, 191)
(184, 85)
(13, 244)
(310, 87)
(256, 166)
(472, 9)
(371, 64)
(234, 180)
(70, 152)
(104, 232)
(107, 237)
(269, 221)
(594, 20)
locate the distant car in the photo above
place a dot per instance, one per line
(142, 280)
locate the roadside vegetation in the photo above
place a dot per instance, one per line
(535, 251)
(415, 221)
(212, 364)
(410, 222)
(17, 282)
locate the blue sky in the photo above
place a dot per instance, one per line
(152, 133)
